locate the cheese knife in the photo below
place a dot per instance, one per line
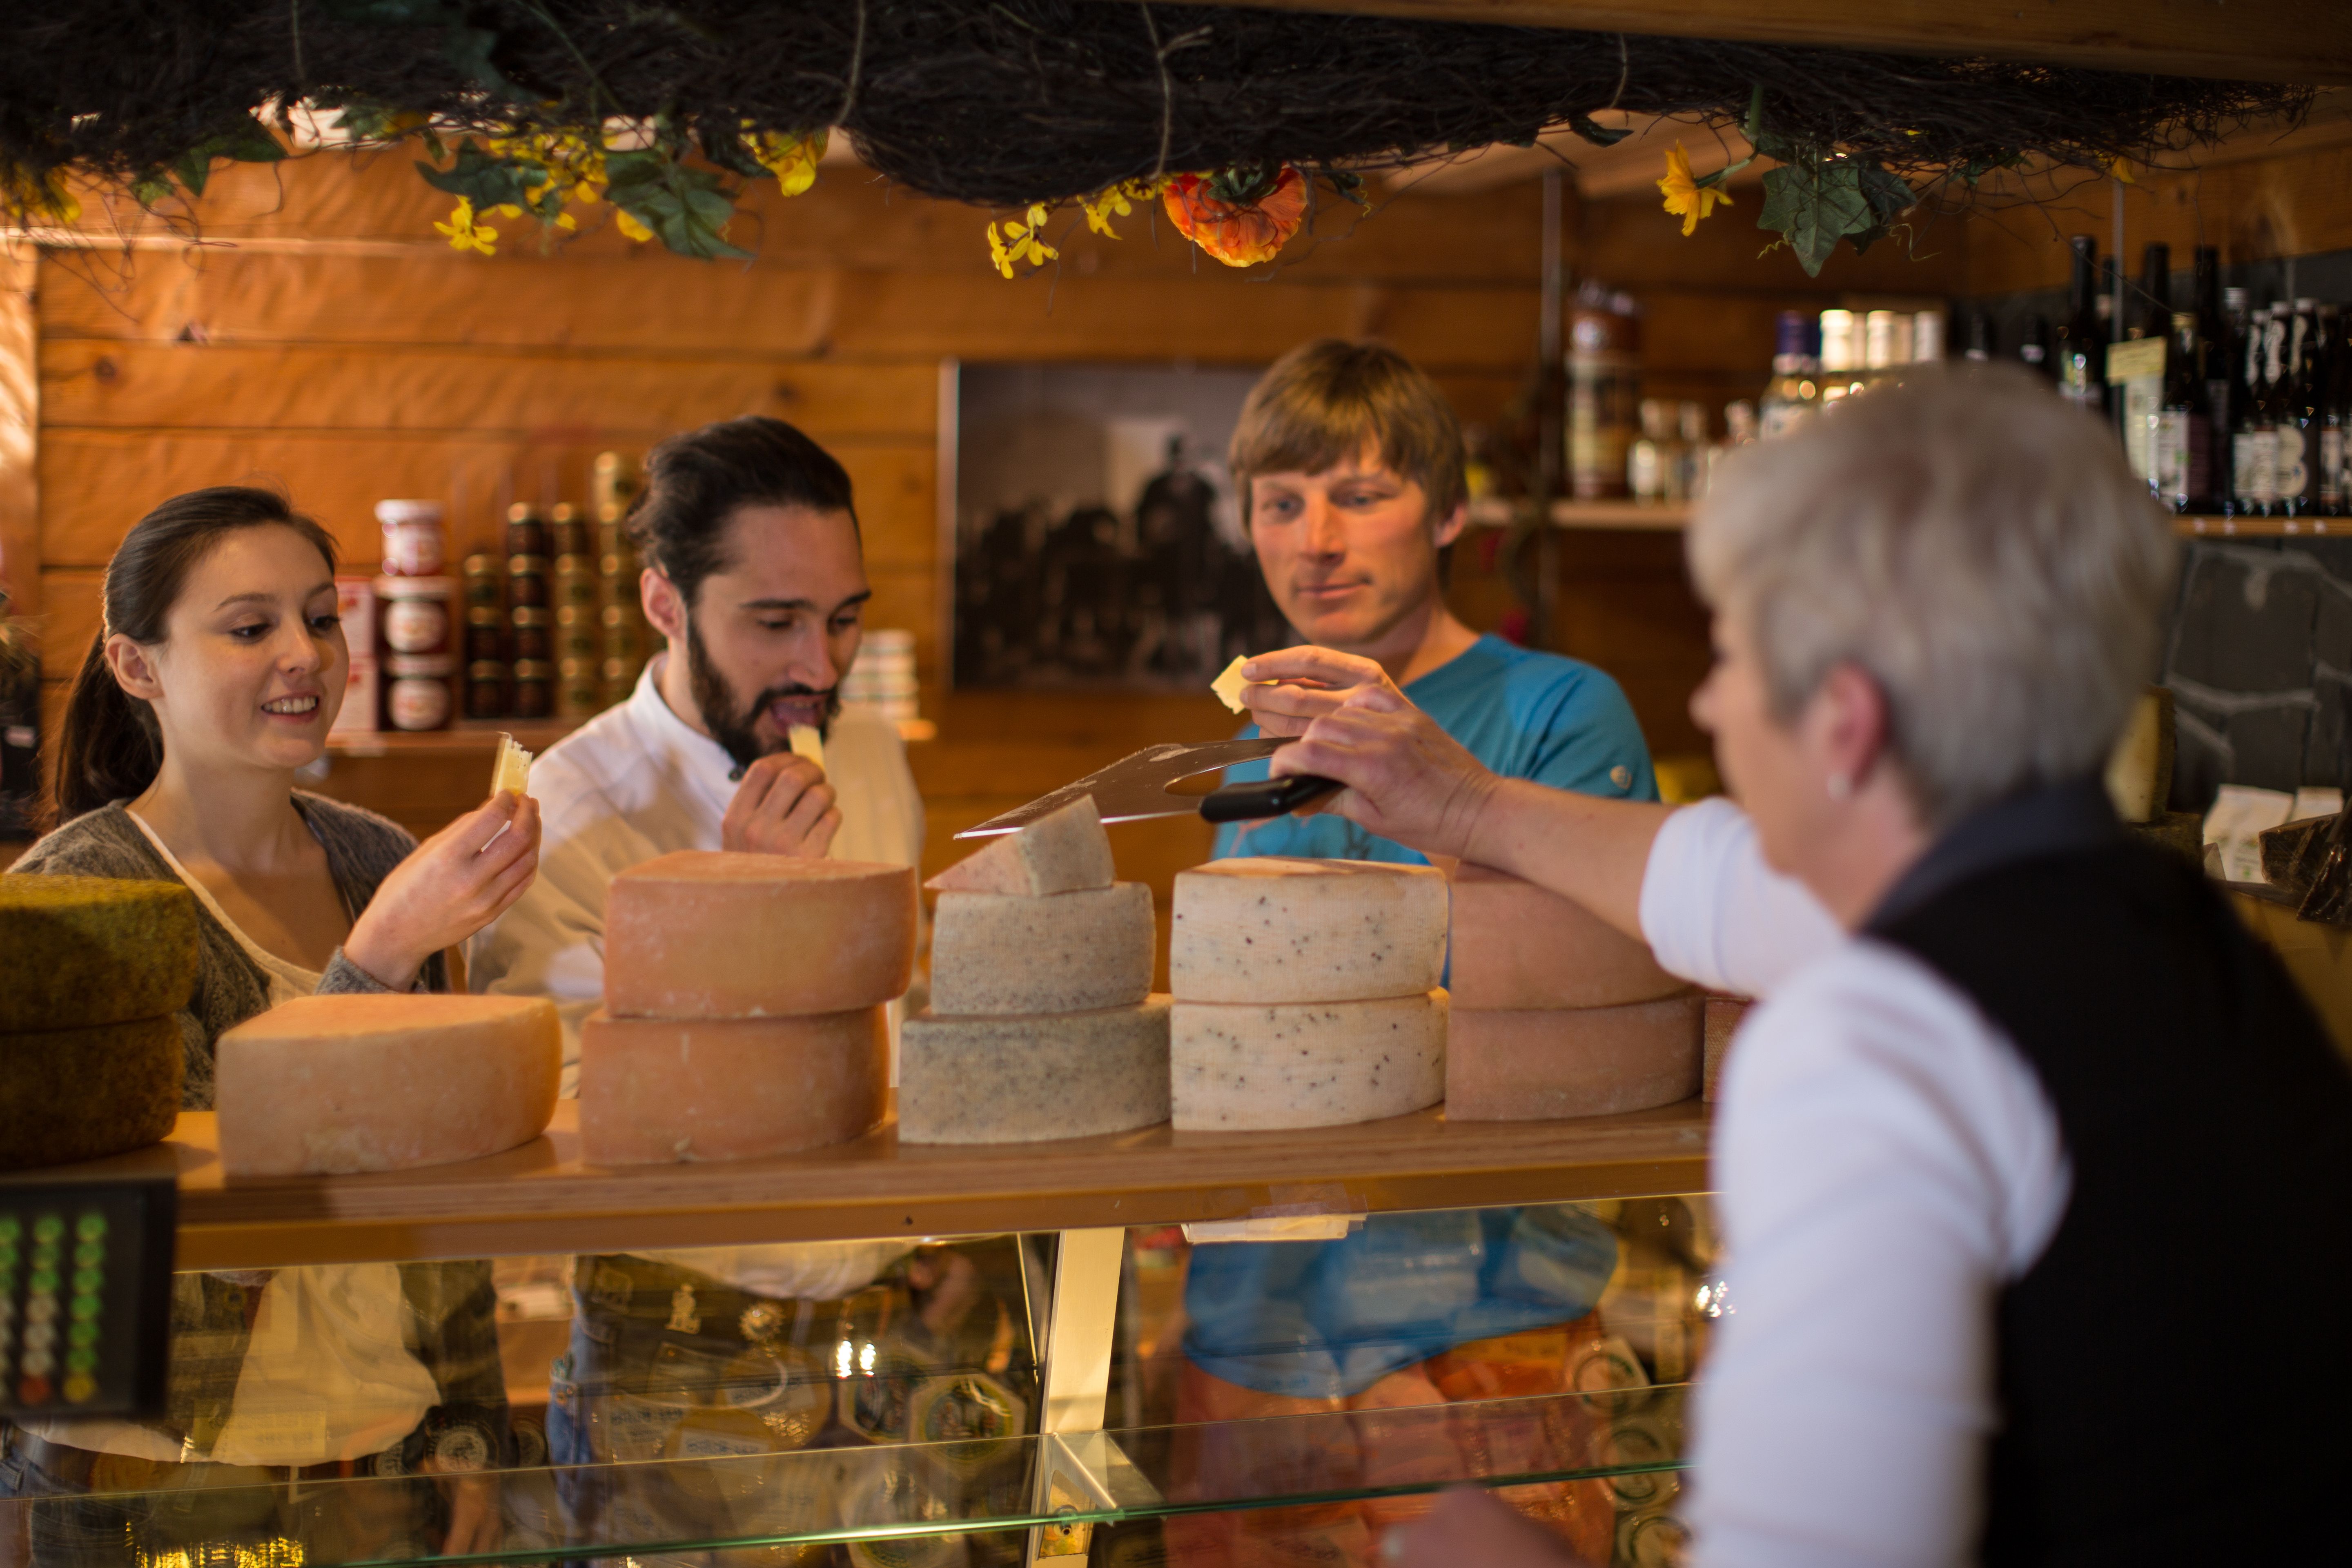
(1153, 783)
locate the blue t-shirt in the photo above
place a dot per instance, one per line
(1324, 1319)
(1524, 715)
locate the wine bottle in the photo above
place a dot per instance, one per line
(2033, 347)
(1794, 395)
(2225, 355)
(2082, 338)
(2336, 412)
(2298, 415)
(2154, 317)
(2183, 478)
(1979, 336)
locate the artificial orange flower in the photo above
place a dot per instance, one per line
(1238, 225)
(1685, 195)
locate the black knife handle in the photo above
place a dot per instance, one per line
(1265, 797)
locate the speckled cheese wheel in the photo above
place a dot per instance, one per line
(78, 951)
(1023, 1080)
(1064, 851)
(661, 1089)
(332, 1085)
(1237, 1068)
(715, 934)
(1279, 929)
(81, 1094)
(1538, 1065)
(992, 952)
(1517, 946)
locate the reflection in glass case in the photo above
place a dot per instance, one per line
(1129, 1397)
(1098, 542)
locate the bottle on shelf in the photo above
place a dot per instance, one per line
(1689, 478)
(1840, 356)
(2254, 447)
(1886, 347)
(2225, 392)
(2081, 347)
(1794, 393)
(1927, 338)
(1979, 338)
(2336, 412)
(2154, 317)
(1652, 462)
(2033, 347)
(2184, 424)
(2299, 427)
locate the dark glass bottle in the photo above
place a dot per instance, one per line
(1979, 336)
(2183, 480)
(2297, 403)
(2082, 356)
(2033, 346)
(2336, 414)
(2152, 317)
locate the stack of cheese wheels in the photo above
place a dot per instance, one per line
(744, 999)
(1556, 1012)
(91, 972)
(1042, 1023)
(333, 1085)
(1307, 993)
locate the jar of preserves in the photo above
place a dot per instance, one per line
(527, 580)
(486, 633)
(485, 581)
(567, 531)
(534, 690)
(526, 531)
(533, 628)
(576, 580)
(486, 689)
(419, 695)
(412, 538)
(577, 633)
(412, 616)
(579, 689)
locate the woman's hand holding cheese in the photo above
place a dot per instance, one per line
(783, 806)
(456, 883)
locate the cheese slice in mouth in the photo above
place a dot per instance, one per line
(807, 742)
(512, 770)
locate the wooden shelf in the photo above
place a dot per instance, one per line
(534, 735)
(542, 1198)
(1637, 516)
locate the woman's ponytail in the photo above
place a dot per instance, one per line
(109, 747)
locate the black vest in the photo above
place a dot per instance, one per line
(2175, 1370)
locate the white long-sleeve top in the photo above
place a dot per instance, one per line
(1885, 1161)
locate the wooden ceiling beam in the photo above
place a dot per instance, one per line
(2249, 40)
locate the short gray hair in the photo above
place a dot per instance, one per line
(1976, 546)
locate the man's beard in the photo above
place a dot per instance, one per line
(731, 723)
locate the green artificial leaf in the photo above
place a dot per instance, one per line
(729, 152)
(483, 180)
(242, 141)
(1888, 196)
(1599, 135)
(149, 189)
(1351, 186)
(687, 209)
(1814, 205)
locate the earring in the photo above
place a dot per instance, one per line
(1840, 787)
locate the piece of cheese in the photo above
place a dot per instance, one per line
(80, 950)
(83, 1093)
(512, 769)
(1064, 851)
(1277, 929)
(807, 741)
(653, 1091)
(993, 953)
(1314, 1064)
(1018, 1079)
(1516, 945)
(718, 934)
(2139, 770)
(1230, 685)
(332, 1083)
(1539, 1065)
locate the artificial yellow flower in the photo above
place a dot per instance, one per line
(1685, 195)
(1114, 201)
(631, 226)
(1020, 242)
(2118, 168)
(465, 234)
(792, 159)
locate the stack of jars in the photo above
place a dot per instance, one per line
(620, 611)
(414, 622)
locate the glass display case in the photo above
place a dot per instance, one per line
(1180, 1348)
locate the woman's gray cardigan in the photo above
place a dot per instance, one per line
(361, 849)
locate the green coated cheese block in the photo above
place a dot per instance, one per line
(79, 1094)
(78, 951)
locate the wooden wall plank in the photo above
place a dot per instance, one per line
(95, 483)
(543, 395)
(20, 417)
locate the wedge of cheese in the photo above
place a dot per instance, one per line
(330, 1085)
(1064, 851)
(1229, 684)
(1516, 946)
(1020, 1080)
(512, 769)
(81, 1094)
(654, 1091)
(807, 741)
(80, 950)
(716, 934)
(1312, 1064)
(1279, 929)
(993, 953)
(1539, 1065)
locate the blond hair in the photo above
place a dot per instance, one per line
(1324, 401)
(1976, 546)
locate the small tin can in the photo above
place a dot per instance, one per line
(485, 580)
(579, 689)
(576, 582)
(532, 629)
(486, 633)
(534, 691)
(567, 531)
(527, 580)
(578, 634)
(486, 689)
(526, 531)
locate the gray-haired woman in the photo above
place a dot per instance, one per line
(2020, 1089)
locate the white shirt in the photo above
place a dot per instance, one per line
(637, 782)
(1886, 1161)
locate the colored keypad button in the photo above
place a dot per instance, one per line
(44, 1281)
(91, 1254)
(86, 1281)
(48, 1228)
(10, 1229)
(83, 1307)
(80, 1387)
(90, 1226)
(82, 1333)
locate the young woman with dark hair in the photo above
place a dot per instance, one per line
(217, 672)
